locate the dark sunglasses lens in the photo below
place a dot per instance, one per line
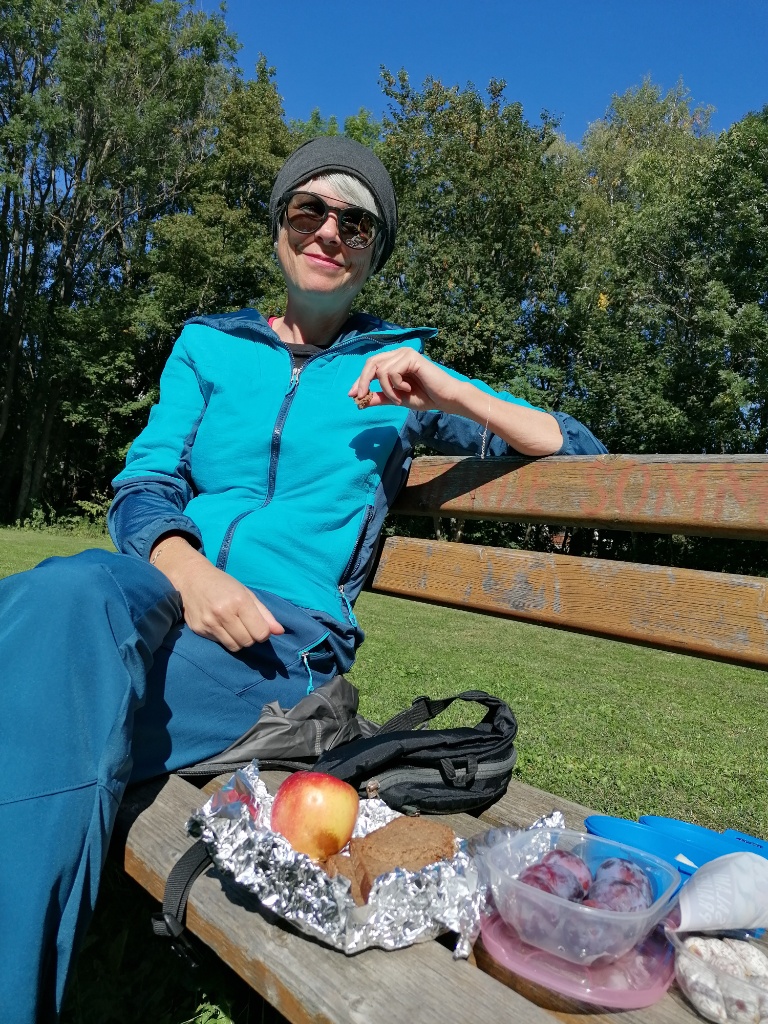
(305, 212)
(357, 228)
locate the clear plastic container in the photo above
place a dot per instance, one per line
(568, 929)
(714, 992)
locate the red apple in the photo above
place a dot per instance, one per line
(315, 812)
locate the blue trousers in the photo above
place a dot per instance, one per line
(101, 684)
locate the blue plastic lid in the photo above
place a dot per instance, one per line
(676, 849)
(682, 829)
(742, 841)
(729, 841)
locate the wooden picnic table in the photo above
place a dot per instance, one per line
(309, 983)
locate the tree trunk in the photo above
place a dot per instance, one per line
(14, 351)
(35, 445)
(22, 499)
(41, 455)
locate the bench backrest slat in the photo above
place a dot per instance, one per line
(714, 614)
(714, 496)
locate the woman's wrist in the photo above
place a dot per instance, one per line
(529, 431)
(171, 552)
(469, 401)
(465, 400)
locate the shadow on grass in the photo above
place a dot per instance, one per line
(126, 975)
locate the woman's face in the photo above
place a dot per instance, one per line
(320, 263)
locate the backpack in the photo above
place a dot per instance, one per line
(436, 771)
(412, 768)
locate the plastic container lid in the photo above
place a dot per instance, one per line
(686, 848)
(639, 978)
(682, 829)
(744, 841)
(731, 840)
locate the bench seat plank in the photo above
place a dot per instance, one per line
(305, 981)
(308, 983)
(708, 495)
(523, 804)
(719, 615)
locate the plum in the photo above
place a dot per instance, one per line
(534, 923)
(573, 863)
(553, 879)
(619, 869)
(539, 876)
(617, 895)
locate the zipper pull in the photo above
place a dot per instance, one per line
(305, 659)
(345, 599)
(294, 382)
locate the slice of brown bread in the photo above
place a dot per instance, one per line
(406, 842)
(340, 864)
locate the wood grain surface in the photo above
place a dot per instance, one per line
(710, 495)
(307, 982)
(310, 984)
(718, 615)
(712, 614)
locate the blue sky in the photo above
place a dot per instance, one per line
(565, 56)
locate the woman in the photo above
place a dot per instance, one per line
(247, 518)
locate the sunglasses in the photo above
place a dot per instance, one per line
(306, 212)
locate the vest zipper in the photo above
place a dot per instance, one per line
(354, 560)
(277, 430)
(282, 415)
(350, 614)
(274, 451)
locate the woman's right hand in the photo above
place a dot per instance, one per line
(216, 605)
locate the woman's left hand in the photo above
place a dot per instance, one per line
(407, 378)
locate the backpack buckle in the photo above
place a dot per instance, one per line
(165, 925)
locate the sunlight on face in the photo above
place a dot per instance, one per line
(319, 262)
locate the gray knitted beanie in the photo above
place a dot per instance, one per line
(332, 154)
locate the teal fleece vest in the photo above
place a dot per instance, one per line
(272, 469)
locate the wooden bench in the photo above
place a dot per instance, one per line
(709, 614)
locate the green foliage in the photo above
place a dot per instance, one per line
(216, 253)
(105, 118)
(361, 126)
(477, 201)
(314, 126)
(621, 280)
(649, 329)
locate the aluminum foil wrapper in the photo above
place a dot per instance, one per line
(404, 907)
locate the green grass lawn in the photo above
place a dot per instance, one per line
(625, 730)
(21, 549)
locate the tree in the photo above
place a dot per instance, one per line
(622, 319)
(733, 225)
(216, 253)
(477, 206)
(104, 113)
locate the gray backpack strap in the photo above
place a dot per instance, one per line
(323, 719)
